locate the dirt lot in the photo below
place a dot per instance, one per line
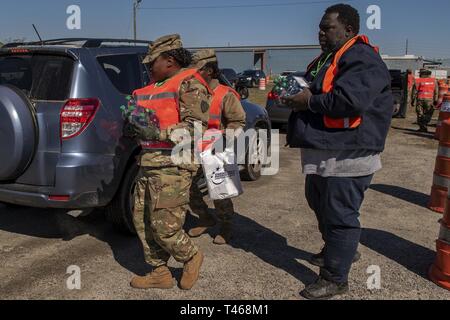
(275, 233)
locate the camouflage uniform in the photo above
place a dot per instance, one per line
(424, 107)
(233, 117)
(162, 189)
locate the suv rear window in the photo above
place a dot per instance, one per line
(41, 77)
(124, 71)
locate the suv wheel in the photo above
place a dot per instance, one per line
(120, 211)
(255, 158)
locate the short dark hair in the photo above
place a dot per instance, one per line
(214, 66)
(182, 56)
(348, 15)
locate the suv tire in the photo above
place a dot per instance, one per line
(252, 172)
(120, 210)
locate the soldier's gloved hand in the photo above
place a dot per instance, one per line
(147, 133)
(129, 130)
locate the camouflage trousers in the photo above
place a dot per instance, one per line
(424, 110)
(161, 200)
(224, 208)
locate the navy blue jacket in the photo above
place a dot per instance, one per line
(362, 88)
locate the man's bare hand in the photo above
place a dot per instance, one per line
(298, 102)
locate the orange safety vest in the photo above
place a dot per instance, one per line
(328, 84)
(215, 116)
(216, 107)
(425, 88)
(163, 100)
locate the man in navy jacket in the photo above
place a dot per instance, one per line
(340, 124)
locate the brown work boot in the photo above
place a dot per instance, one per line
(224, 235)
(160, 278)
(191, 271)
(203, 224)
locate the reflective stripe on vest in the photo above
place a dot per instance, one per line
(425, 88)
(215, 110)
(328, 85)
(163, 100)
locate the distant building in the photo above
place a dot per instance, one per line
(276, 59)
(403, 63)
(270, 59)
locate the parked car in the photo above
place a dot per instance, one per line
(233, 79)
(61, 142)
(398, 91)
(230, 74)
(287, 73)
(279, 113)
(250, 78)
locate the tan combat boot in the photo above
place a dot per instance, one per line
(160, 278)
(224, 235)
(205, 222)
(191, 271)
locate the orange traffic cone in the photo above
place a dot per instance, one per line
(444, 114)
(441, 177)
(439, 272)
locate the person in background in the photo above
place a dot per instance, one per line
(226, 112)
(424, 94)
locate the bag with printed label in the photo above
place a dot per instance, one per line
(221, 173)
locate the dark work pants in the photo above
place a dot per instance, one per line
(336, 202)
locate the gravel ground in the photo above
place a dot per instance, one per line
(275, 233)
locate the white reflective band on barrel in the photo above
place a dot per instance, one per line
(444, 234)
(440, 181)
(346, 123)
(164, 95)
(444, 152)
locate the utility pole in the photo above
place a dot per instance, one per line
(135, 7)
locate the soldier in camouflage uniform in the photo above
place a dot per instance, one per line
(424, 107)
(162, 190)
(233, 118)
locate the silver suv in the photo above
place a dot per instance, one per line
(61, 127)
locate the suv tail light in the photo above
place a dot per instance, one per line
(76, 115)
(272, 95)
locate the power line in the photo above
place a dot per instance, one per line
(283, 4)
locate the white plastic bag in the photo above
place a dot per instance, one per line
(221, 174)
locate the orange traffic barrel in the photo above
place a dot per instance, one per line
(441, 176)
(262, 84)
(439, 272)
(444, 114)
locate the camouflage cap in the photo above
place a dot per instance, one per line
(202, 57)
(163, 44)
(425, 72)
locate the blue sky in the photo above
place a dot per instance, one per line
(257, 25)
